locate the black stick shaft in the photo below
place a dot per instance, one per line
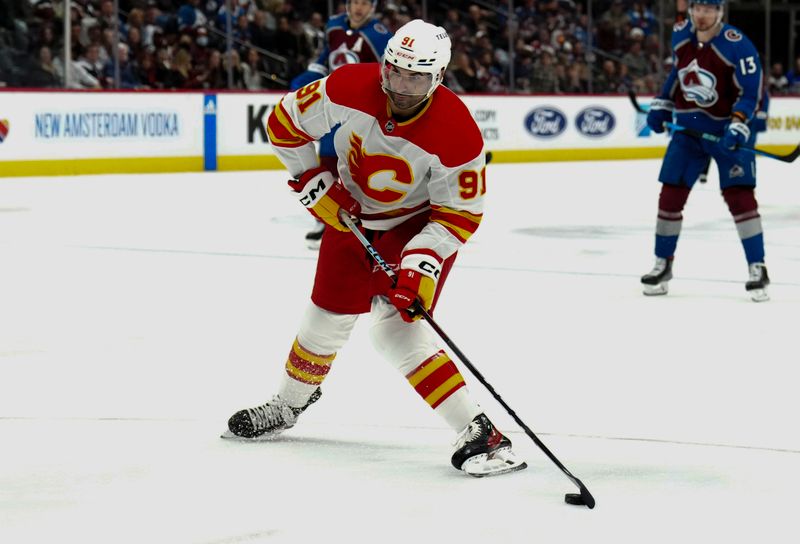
(585, 494)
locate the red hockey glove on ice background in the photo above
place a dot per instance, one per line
(324, 196)
(416, 280)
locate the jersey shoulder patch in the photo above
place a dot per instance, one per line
(680, 25)
(379, 28)
(733, 35)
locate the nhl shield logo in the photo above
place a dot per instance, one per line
(389, 126)
(5, 126)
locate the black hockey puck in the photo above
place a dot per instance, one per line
(574, 498)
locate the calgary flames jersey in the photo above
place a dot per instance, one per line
(711, 80)
(394, 168)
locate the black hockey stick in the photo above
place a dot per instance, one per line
(584, 498)
(790, 157)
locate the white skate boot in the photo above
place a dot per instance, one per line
(757, 284)
(655, 282)
(266, 421)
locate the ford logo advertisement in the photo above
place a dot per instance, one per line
(546, 122)
(595, 122)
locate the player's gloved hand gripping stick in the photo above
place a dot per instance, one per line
(584, 497)
(733, 137)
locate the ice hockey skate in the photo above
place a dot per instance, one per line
(481, 450)
(655, 282)
(266, 421)
(757, 284)
(314, 236)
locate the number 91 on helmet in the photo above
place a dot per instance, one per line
(414, 63)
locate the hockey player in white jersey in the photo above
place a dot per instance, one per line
(412, 171)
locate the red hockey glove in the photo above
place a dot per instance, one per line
(324, 196)
(416, 281)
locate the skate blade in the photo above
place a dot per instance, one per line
(655, 290)
(227, 435)
(501, 462)
(758, 295)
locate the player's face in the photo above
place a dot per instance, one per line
(705, 17)
(359, 12)
(406, 89)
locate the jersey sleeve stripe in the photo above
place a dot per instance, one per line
(283, 132)
(461, 224)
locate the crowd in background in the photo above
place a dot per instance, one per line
(182, 44)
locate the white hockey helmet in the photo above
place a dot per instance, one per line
(419, 47)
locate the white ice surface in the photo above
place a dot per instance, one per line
(138, 312)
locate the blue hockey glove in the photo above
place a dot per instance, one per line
(736, 134)
(660, 113)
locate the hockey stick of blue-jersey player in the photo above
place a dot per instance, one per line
(713, 138)
(584, 498)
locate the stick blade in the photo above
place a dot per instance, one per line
(584, 498)
(792, 156)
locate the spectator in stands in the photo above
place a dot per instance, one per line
(777, 82)
(191, 16)
(793, 77)
(240, 8)
(147, 72)
(261, 35)
(90, 62)
(79, 76)
(181, 74)
(544, 78)
(127, 71)
(315, 32)
(635, 59)
(44, 73)
(462, 76)
(607, 81)
(214, 76)
(237, 74)
(613, 27)
(251, 71)
(642, 17)
(291, 42)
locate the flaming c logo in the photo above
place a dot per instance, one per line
(363, 166)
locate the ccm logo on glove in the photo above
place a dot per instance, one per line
(416, 281)
(324, 197)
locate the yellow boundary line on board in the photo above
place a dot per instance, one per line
(122, 165)
(147, 165)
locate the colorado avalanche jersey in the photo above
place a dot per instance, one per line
(709, 81)
(394, 168)
(345, 45)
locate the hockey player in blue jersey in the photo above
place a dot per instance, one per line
(351, 37)
(715, 86)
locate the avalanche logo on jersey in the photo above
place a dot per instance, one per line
(5, 126)
(732, 35)
(342, 55)
(698, 85)
(367, 168)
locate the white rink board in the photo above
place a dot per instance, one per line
(71, 125)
